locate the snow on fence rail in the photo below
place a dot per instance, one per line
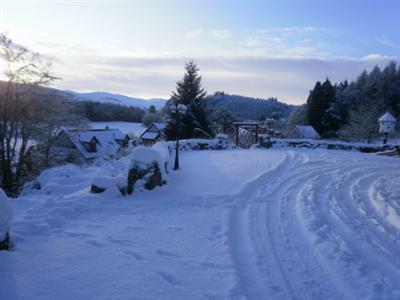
(330, 145)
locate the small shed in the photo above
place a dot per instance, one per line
(387, 123)
(153, 133)
(303, 132)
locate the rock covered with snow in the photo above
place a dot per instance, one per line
(113, 185)
(147, 169)
(5, 219)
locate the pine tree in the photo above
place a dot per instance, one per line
(190, 93)
(321, 112)
(152, 109)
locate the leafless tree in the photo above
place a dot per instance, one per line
(53, 112)
(362, 123)
(297, 117)
(25, 72)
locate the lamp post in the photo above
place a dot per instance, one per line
(386, 125)
(177, 111)
(269, 123)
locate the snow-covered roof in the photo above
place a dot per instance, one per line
(107, 141)
(387, 117)
(160, 125)
(150, 135)
(307, 131)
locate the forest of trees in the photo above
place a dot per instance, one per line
(247, 108)
(351, 111)
(97, 112)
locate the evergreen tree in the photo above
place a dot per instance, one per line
(321, 113)
(190, 93)
(152, 109)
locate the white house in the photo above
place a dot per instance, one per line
(92, 143)
(153, 133)
(304, 132)
(387, 123)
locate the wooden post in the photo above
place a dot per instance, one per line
(237, 135)
(257, 134)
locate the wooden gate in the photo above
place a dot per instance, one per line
(246, 134)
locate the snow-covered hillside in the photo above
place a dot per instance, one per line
(118, 99)
(237, 224)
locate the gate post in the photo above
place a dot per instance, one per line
(256, 134)
(237, 135)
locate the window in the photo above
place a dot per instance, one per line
(92, 146)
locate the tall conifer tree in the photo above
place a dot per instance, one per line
(190, 93)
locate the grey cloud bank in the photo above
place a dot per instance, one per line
(287, 79)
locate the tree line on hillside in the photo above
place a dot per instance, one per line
(351, 110)
(97, 112)
(247, 108)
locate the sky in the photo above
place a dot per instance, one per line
(252, 48)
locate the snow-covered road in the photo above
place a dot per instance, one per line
(244, 224)
(321, 225)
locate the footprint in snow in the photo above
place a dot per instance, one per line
(167, 253)
(136, 255)
(96, 244)
(169, 278)
(216, 233)
(216, 266)
(173, 228)
(120, 241)
(134, 228)
(78, 234)
(94, 226)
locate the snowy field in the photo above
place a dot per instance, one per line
(237, 224)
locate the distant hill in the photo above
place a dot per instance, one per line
(101, 97)
(105, 97)
(247, 108)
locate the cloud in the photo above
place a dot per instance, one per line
(221, 33)
(288, 79)
(258, 65)
(296, 30)
(386, 42)
(194, 33)
(376, 57)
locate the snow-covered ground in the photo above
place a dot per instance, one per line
(126, 127)
(237, 224)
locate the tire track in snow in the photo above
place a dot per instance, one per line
(288, 223)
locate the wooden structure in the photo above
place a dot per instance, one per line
(92, 143)
(246, 133)
(152, 134)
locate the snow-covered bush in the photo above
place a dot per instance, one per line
(147, 169)
(5, 220)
